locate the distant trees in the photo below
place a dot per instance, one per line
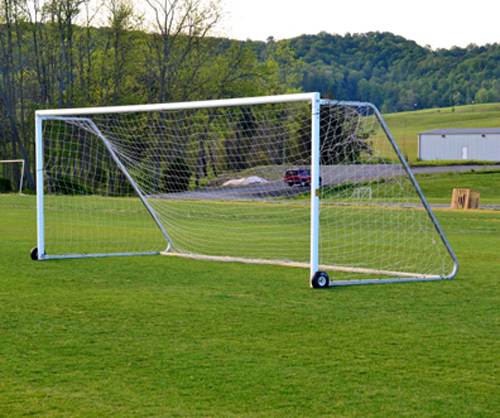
(14, 81)
(341, 139)
(177, 48)
(395, 73)
(76, 53)
(488, 93)
(287, 70)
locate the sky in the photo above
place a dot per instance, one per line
(438, 23)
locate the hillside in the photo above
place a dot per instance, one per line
(57, 63)
(405, 126)
(393, 72)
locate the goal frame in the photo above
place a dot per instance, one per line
(21, 182)
(404, 277)
(315, 101)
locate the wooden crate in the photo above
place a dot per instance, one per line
(465, 199)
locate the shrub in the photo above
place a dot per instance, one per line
(5, 185)
(175, 176)
(62, 184)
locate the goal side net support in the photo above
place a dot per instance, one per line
(292, 179)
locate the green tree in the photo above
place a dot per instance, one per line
(175, 176)
(177, 48)
(119, 61)
(12, 86)
(287, 69)
(340, 138)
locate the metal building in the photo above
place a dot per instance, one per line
(459, 144)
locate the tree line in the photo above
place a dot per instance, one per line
(392, 72)
(80, 53)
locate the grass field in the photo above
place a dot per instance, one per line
(356, 232)
(438, 188)
(405, 126)
(170, 337)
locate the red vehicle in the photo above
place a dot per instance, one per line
(300, 176)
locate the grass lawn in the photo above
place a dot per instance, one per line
(170, 337)
(356, 232)
(438, 188)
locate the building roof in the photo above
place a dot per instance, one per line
(472, 131)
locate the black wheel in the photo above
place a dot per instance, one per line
(303, 183)
(34, 253)
(320, 280)
(290, 184)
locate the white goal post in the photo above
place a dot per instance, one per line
(271, 180)
(21, 181)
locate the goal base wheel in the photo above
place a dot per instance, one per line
(34, 253)
(320, 280)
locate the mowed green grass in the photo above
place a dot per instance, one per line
(438, 188)
(164, 336)
(405, 126)
(353, 233)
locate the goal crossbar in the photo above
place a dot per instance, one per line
(205, 104)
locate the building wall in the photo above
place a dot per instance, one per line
(451, 147)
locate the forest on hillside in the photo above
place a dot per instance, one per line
(79, 53)
(392, 72)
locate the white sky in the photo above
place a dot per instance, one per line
(438, 23)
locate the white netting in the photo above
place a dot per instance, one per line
(234, 182)
(372, 219)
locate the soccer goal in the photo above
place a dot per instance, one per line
(271, 180)
(10, 173)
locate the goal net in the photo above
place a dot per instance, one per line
(285, 179)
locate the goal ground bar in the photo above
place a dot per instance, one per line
(402, 276)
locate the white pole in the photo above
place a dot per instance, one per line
(39, 188)
(247, 101)
(315, 110)
(22, 180)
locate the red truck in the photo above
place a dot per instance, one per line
(300, 176)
